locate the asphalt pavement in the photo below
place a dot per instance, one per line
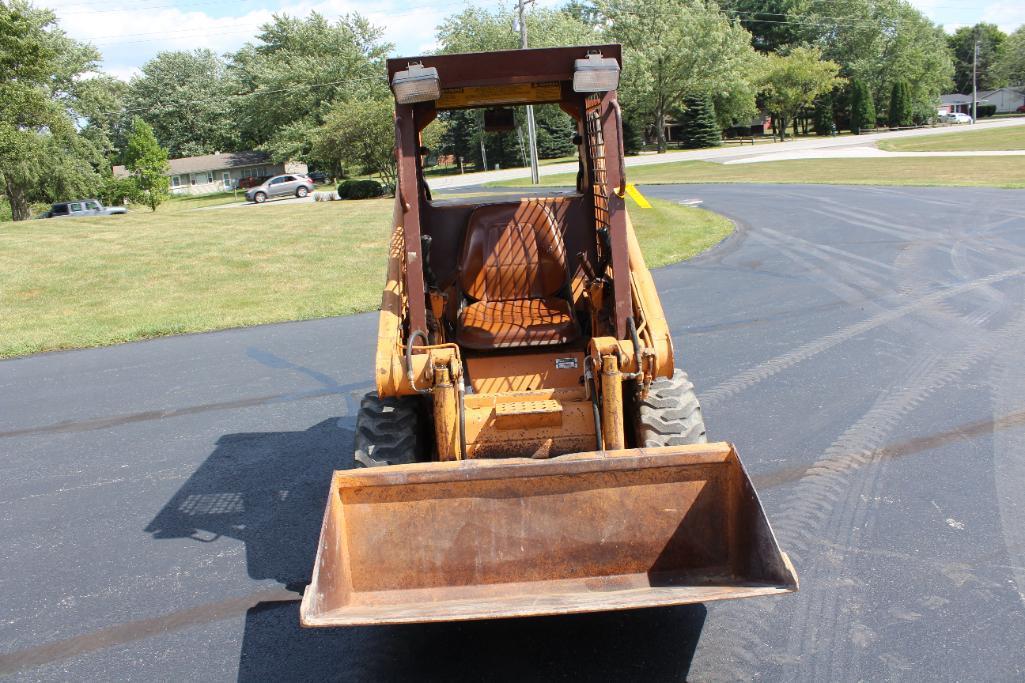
(160, 501)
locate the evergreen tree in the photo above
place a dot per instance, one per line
(147, 161)
(863, 111)
(901, 113)
(555, 131)
(823, 116)
(698, 125)
(633, 134)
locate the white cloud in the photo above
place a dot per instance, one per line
(129, 36)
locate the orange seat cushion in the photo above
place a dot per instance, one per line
(521, 322)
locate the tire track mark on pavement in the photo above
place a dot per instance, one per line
(827, 504)
(775, 365)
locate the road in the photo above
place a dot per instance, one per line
(160, 501)
(846, 146)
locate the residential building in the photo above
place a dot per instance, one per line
(220, 171)
(956, 103)
(1007, 100)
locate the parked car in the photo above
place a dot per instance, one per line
(1021, 109)
(318, 177)
(252, 181)
(82, 207)
(955, 117)
(280, 186)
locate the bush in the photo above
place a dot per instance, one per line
(360, 189)
(985, 110)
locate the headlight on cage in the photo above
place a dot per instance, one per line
(416, 84)
(595, 74)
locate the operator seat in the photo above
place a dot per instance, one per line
(513, 273)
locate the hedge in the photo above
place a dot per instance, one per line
(360, 189)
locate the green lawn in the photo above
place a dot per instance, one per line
(962, 141)
(982, 171)
(76, 283)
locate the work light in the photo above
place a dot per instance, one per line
(595, 74)
(416, 84)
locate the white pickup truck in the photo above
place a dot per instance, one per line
(82, 207)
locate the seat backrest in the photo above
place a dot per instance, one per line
(512, 251)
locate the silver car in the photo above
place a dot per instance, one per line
(290, 184)
(83, 207)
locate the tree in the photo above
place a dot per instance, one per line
(823, 117)
(481, 30)
(186, 97)
(673, 49)
(698, 125)
(774, 24)
(360, 133)
(42, 156)
(900, 112)
(100, 104)
(1010, 65)
(633, 135)
(147, 161)
(890, 40)
(791, 83)
(863, 112)
(962, 44)
(297, 71)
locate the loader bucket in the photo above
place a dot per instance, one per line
(588, 532)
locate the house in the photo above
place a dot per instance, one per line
(1007, 100)
(956, 103)
(220, 171)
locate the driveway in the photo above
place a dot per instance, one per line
(160, 501)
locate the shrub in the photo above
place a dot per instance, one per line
(985, 110)
(360, 189)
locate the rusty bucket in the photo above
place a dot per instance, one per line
(482, 539)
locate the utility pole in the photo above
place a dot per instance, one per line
(975, 88)
(535, 177)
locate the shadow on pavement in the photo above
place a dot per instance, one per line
(655, 644)
(267, 489)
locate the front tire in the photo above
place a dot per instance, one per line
(260, 197)
(670, 415)
(301, 192)
(387, 431)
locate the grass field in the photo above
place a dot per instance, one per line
(964, 140)
(90, 282)
(1006, 172)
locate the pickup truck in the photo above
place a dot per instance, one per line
(82, 207)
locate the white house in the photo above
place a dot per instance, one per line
(1007, 100)
(220, 171)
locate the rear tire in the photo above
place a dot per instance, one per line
(387, 431)
(301, 192)
(670, 415)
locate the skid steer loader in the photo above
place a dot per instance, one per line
(531, 448)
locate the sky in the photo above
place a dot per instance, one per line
(130, 33)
